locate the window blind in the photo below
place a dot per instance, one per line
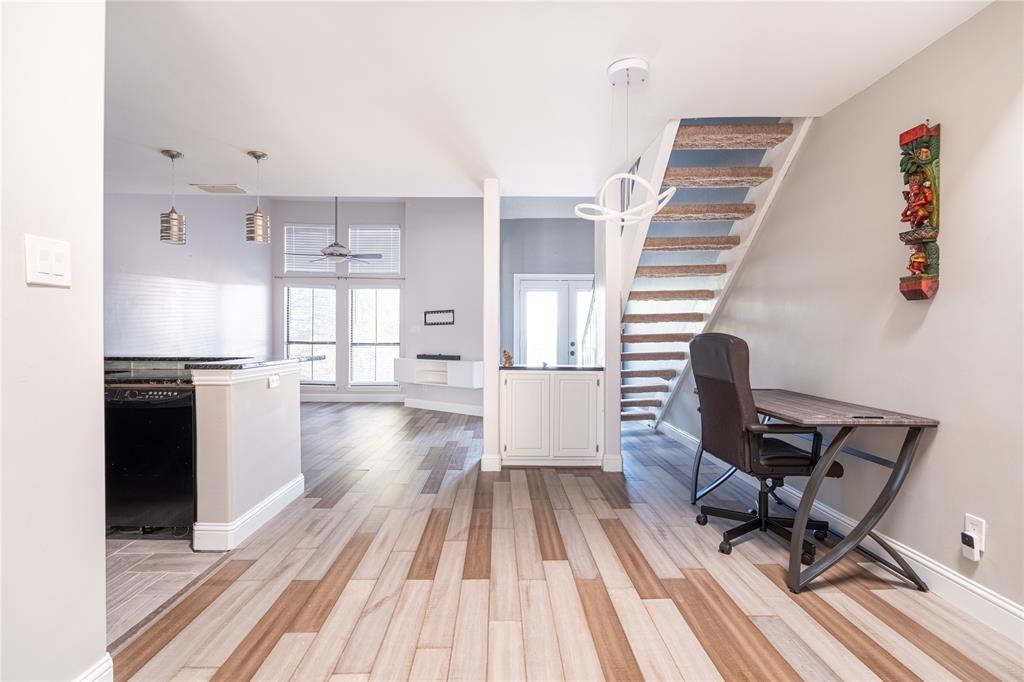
(383, 239)
(302, 245)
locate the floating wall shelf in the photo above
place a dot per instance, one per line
(455, 373)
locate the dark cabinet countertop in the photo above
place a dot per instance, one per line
(551, 368)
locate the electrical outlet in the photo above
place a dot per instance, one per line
(975, 525)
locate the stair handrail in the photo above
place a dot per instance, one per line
(651, 165)
(588, 345)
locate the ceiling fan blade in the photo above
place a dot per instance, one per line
(366, 256)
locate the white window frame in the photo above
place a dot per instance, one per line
(378, 275)
(284, 253)
(299, 284)
(379, 282)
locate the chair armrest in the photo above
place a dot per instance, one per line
(762, 429)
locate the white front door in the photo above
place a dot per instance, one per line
(550, 316)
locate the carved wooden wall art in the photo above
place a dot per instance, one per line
(919, 163)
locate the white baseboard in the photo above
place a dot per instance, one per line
(490, 462)
(989, 607)
(442, 406)
(611, 463)
(551, 462)
(100, 671)
(220, 537)
(679, 435)
(368, 397)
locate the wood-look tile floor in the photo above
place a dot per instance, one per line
(404, 561)
(144, 573)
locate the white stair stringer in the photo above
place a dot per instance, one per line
(653, 165)
(780, 158)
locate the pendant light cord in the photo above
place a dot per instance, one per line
(173, 193)
(627, 120)
(257, 185)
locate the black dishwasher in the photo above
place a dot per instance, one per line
(150, 456)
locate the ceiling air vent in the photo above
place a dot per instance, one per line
(219, 189)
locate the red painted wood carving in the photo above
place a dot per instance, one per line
(919, 163)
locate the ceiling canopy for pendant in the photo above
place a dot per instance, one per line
(625, 72)
(172, 223)
(257, 224)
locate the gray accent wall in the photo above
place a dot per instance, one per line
(562, 246)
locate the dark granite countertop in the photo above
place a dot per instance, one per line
(248, 363)
(552, 368)
(173, 358)
(168, 369)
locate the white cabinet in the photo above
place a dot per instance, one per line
(575, 417)
(456, 373)
(527, 415)
(551, 418)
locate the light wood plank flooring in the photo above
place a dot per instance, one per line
(404, 561)
(144, 573)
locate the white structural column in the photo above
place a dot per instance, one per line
(491, 459)
(608, 263)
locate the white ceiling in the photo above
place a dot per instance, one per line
(426, 99)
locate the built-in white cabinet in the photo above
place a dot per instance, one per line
(551, 418)
(456, 373)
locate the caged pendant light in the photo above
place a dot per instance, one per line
(257, 224)
(172, 223)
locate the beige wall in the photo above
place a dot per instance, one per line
(248, 440)
(817, 297)
(51, 419)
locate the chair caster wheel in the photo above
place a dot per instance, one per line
(702, 519)
(752, 511)
(725, 547)
(820, 534)
(807, 558)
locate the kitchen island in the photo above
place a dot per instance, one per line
(247, 436)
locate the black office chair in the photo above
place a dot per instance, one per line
(731, 431)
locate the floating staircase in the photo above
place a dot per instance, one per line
(725, 172)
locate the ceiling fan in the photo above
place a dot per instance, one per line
(336, 252)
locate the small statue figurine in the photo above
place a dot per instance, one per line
(507, 358)
(919, 200)
(918, 260)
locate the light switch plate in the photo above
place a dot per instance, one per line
(273, 381)
(47, 261)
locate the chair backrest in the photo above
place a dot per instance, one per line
(721, 370)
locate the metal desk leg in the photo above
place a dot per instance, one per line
(696, 494)
(797, 579)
